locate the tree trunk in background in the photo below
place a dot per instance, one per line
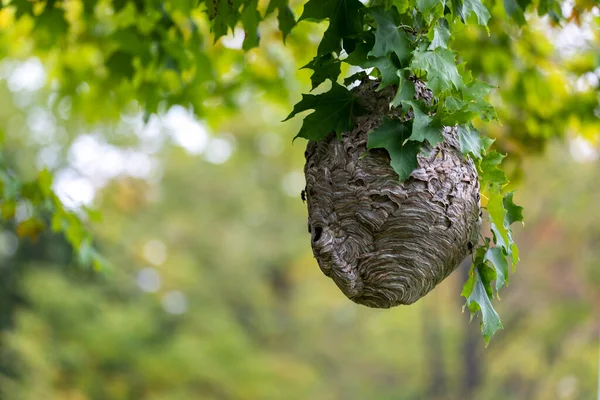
(470, 350)
(434, 350)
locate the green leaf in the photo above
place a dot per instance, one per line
(185, 6)
(223, 16)
(392, 135)
(384, 65)
(552, 8)
(274, 5)
(497, 213)
(469, 285)
(424, 127)
(514, 213)
(479, 300)
(285, 16)
(388, 37)
(489, 171)
(406, 92)
(431, 9)
(250, 19)
(487, 142)
(496, 256)
(120, 65)
(359, 56)
(470, 141)
(324, 67)
(32, 192)
(464, 8)
(515, 9)
(487, 275)
(503, 239)
(129, 42)
(345, 20)
(543, 7)
(387, 71)
(442, 74)
(359, 76)
(333, 113)
(54, 20)
(286, 20)
(450, 116)
(23, 7)
(441, 35)
(474, 95)
(453, 104)
(476, 90)
(513, 249)
(500, 236)
(401, 5)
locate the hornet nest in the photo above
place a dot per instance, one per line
(382, 241)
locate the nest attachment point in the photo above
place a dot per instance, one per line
(385, 242)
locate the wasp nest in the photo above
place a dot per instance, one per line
(382, 241)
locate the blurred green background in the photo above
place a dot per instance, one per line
(213, 292)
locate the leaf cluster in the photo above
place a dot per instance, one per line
(154, 52)
(42, 210)
(399, 42)
(157, 52)
(492, 258)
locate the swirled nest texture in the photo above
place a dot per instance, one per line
(385, 242)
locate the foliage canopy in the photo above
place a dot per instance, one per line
(160, 53)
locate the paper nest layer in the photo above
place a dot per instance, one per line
(385, 242)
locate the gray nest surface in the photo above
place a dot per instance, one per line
(385, 242)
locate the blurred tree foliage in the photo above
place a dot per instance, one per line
(240, 311)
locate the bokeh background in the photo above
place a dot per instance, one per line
(212, 290)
